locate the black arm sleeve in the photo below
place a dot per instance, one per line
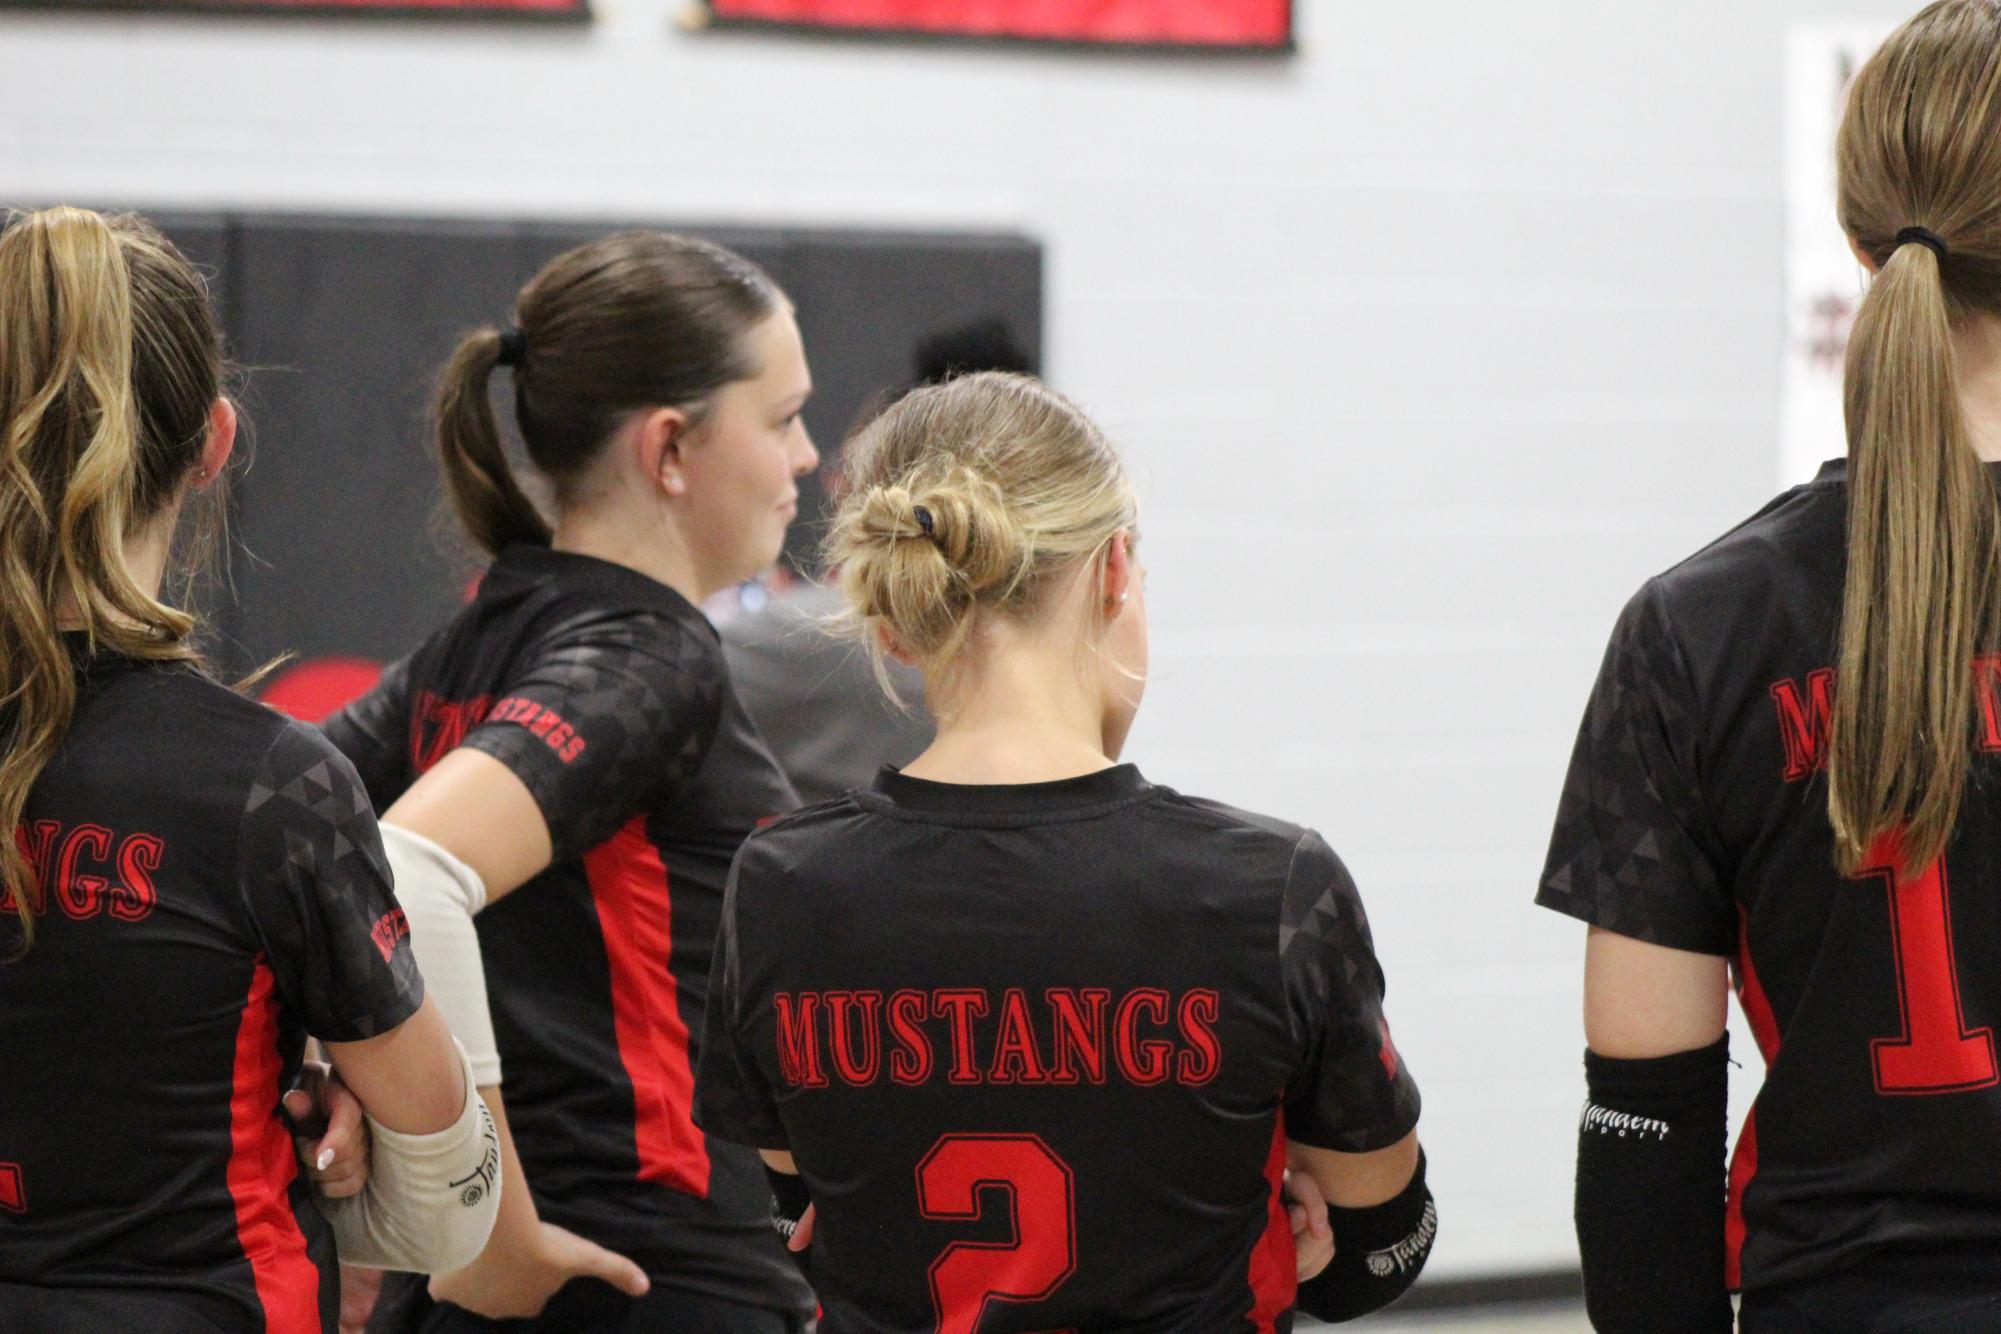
(1378, 1253)
(1651, 1193)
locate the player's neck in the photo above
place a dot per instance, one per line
(146, 555)
(1977, 352)
(654, 550)
(1023, 714)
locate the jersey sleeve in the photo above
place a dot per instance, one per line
(602, 720)
(1353, 1092)
(318, 892)
(1633, 850)
(733, 1099)
(373, 732)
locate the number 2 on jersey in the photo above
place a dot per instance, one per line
(1936, 1053)
(1042, 1203)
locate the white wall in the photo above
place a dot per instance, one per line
(1430, 343)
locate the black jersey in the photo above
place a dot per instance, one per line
(606, 694)
(1037, 1049)
(1695, 817)
(209, 888)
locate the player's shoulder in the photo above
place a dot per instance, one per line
(1250, 841)
(557, 598)
(790, 846)
(1795, 536)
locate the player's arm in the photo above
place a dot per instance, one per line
(1650, 1155)
(1382, 1218)
(1637, 855)
(1351, 1108)
(316, 891)
(468, 833)
(584, 736)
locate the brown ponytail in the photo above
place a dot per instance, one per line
(1920, 146)
(109, 360)
(635, 320)
(490, 503)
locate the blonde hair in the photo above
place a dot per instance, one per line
(967, 499)
(1919, 147)
(109, 362)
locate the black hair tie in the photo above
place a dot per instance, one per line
(1925, 237)
(513, 347)
(924, 521)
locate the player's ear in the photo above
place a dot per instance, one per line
(1115, 583)
(895, 651)
(659, 437)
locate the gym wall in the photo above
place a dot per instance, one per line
(1429, 344)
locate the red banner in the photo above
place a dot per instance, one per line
(1265, 24)
(560, 10)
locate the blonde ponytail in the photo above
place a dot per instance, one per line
(77, 472)
(1920, 163)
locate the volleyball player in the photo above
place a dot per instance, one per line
(192, 883)
(565, 757)
(1036, 1038)
(1788, 763)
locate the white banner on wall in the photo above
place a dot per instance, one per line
(1823, 281)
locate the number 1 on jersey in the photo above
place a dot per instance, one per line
(1936, 1053)
(1042, 1202)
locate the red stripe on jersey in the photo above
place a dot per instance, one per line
(261, 1170)
(1744, 1162)
(636, 914)
(1274, 1269)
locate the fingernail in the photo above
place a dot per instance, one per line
(320, 1163)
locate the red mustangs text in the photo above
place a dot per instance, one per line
(86, 870)
(437, 725)
(1806, 714)
(389, 928)
(969, 1035)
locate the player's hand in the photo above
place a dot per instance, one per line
(802, 1236)
(1312, 1237)
(513, 1280)
(328, 1131)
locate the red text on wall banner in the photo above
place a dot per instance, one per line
(1222, 24)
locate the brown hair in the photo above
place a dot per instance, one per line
(636, 320)
(968, 498)
(109, 362)
(1919, 147)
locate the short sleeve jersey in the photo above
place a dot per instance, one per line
(605, 692)
(1037, 1049)
(209, 888)
(1695, 817)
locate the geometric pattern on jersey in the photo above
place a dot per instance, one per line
(1037, 1049)
(606, 694)
(308, 818)
(1634, 842)
(1695, 816)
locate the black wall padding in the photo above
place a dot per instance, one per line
(343, 322)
